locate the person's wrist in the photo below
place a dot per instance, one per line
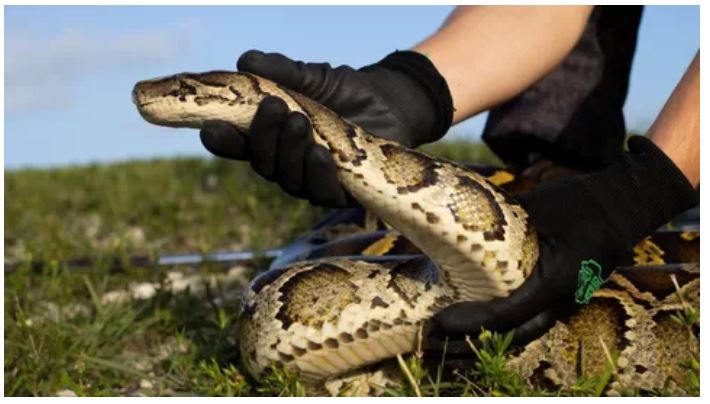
(422, 94)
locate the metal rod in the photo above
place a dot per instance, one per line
(223, 256)
(141, 261)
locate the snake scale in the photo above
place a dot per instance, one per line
(328, 318)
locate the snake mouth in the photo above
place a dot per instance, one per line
(143, 104)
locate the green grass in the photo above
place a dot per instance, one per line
(63, 335)
(60, 335)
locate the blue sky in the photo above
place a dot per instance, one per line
(69, 70)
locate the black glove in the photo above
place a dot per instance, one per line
(587, 225)
(401, 98)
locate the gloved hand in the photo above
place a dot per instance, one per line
(401, 98)
(587, 225)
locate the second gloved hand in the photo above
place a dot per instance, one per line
(401, 98)
(587, 225)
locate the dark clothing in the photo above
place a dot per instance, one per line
(573, 116)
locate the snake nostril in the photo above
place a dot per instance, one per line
(135, 95)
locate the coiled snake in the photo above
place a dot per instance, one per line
(326, 318)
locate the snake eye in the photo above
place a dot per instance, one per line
(180, 90)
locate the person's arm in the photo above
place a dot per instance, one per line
(489, 54)
(676, 130)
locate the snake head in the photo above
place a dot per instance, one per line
(189, 99)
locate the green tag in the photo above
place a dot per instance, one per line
(590, 279)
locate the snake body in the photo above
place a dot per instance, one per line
(632, 320)
(330, 317)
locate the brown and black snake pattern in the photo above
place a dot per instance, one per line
(326, 319)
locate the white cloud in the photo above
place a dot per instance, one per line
(41, 72)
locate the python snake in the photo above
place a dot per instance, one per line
(327, 318)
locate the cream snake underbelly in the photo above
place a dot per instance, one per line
(323, 319)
